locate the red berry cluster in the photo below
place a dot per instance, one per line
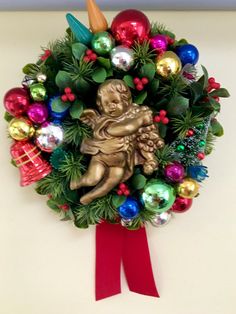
(90, 56)
(200, 156)
(140, 83)
(190, 133)
(212, 84)
(47, 53)
(64, 207)
(161, 117)
(170, 40)
(123, 189)
(68, 96)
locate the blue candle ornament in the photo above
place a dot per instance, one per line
(81, 32)
(129, 209)
(188, 54)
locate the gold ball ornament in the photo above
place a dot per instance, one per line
(188, 188)
(168, 64)
(21, 129)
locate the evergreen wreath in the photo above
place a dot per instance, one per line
(45, 122)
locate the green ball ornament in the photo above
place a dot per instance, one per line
(102, 43)
(158, 196)
(180, 148)
(38, 92)
(202, 143)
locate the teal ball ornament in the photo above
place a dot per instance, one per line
(102, 43)
(158, 196)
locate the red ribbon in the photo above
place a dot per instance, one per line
(116, 244)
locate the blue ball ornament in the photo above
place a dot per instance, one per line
(188, 54)
(57, 109)
(129, 209)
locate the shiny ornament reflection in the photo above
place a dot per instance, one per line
(38, 92)
(188, 188)
(161, 219)
(129, 209)
(37, 113)
(102, 43)
(49, 136)
(16, 101)
(21, 129)
(122, 58)
(188, 54)
(174, 172)
(168, 64)
(159, 43)
(158, 196)
(130, 26)
(181, 204)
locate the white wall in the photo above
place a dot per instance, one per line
(47, 266)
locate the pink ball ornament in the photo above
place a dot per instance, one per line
(181, 204)
(37, 113)
(174, 172)
(16, 101)
(130, 26)
(159, 42)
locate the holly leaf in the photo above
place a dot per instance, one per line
(221, 92)
(76, 109)
(63, 80)
(53, 205)
(154, 86)
(82, 86)
(140, 98)
(8, 117)
(30, 69)
(148, 70)
(178, 105)
(78, 49)
(197, 91)
(217, 128)
(162, 129)
(99, 75)
(58, 105)
(129, 81)
(214, 104)
(118, 200)
(106, 63)
(138, 181)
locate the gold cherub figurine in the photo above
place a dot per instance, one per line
(123, 136)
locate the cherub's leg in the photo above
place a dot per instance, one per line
(93, 175)
(113, 178)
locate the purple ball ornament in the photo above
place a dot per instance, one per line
(174, 172)
(37, 113)
(159, 43)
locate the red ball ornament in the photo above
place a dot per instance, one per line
(130, 26)
(16, 101)
(200, 156)
(181, 204)
(190, 132)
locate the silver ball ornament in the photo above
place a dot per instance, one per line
(49, 136)
(162, 219)
(126, 222)
(122, 58)
(27, 81)
(41, 78)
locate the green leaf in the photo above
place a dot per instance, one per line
(140, 98)
(221, 92)
(129, 81)
(216, 128)
(8, 117)
(205, 82)
(154, 86)
(106, 63)
(78, 49)
(82, 86)
(76, 109)
(138, 181)
(53, 205)
(63, 80)
(30, 69)
(110, 72)
(197, 91)
(148, 70)
(58, 105)
(162, 129)
(82, 225)
(118, 200)
(181, 42)
(214, 104)
(178, 105)
(99, 75)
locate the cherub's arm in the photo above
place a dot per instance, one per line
(130, 126)
(89, 117)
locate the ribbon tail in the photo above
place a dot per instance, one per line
(109, 239)
(137, 263)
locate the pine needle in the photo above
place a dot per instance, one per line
(75, 131)
(183, 123)
(143, 54)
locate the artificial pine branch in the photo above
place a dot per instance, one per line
(143, 54)
(72, 167)
(79, 69)
(181, 124)
(159, 28)
(164, 156)
(52, 184)
(75, 131)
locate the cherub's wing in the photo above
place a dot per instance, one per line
(89, 117)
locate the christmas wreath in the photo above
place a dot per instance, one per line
(113, 124)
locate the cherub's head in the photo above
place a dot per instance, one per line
(113, 98)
